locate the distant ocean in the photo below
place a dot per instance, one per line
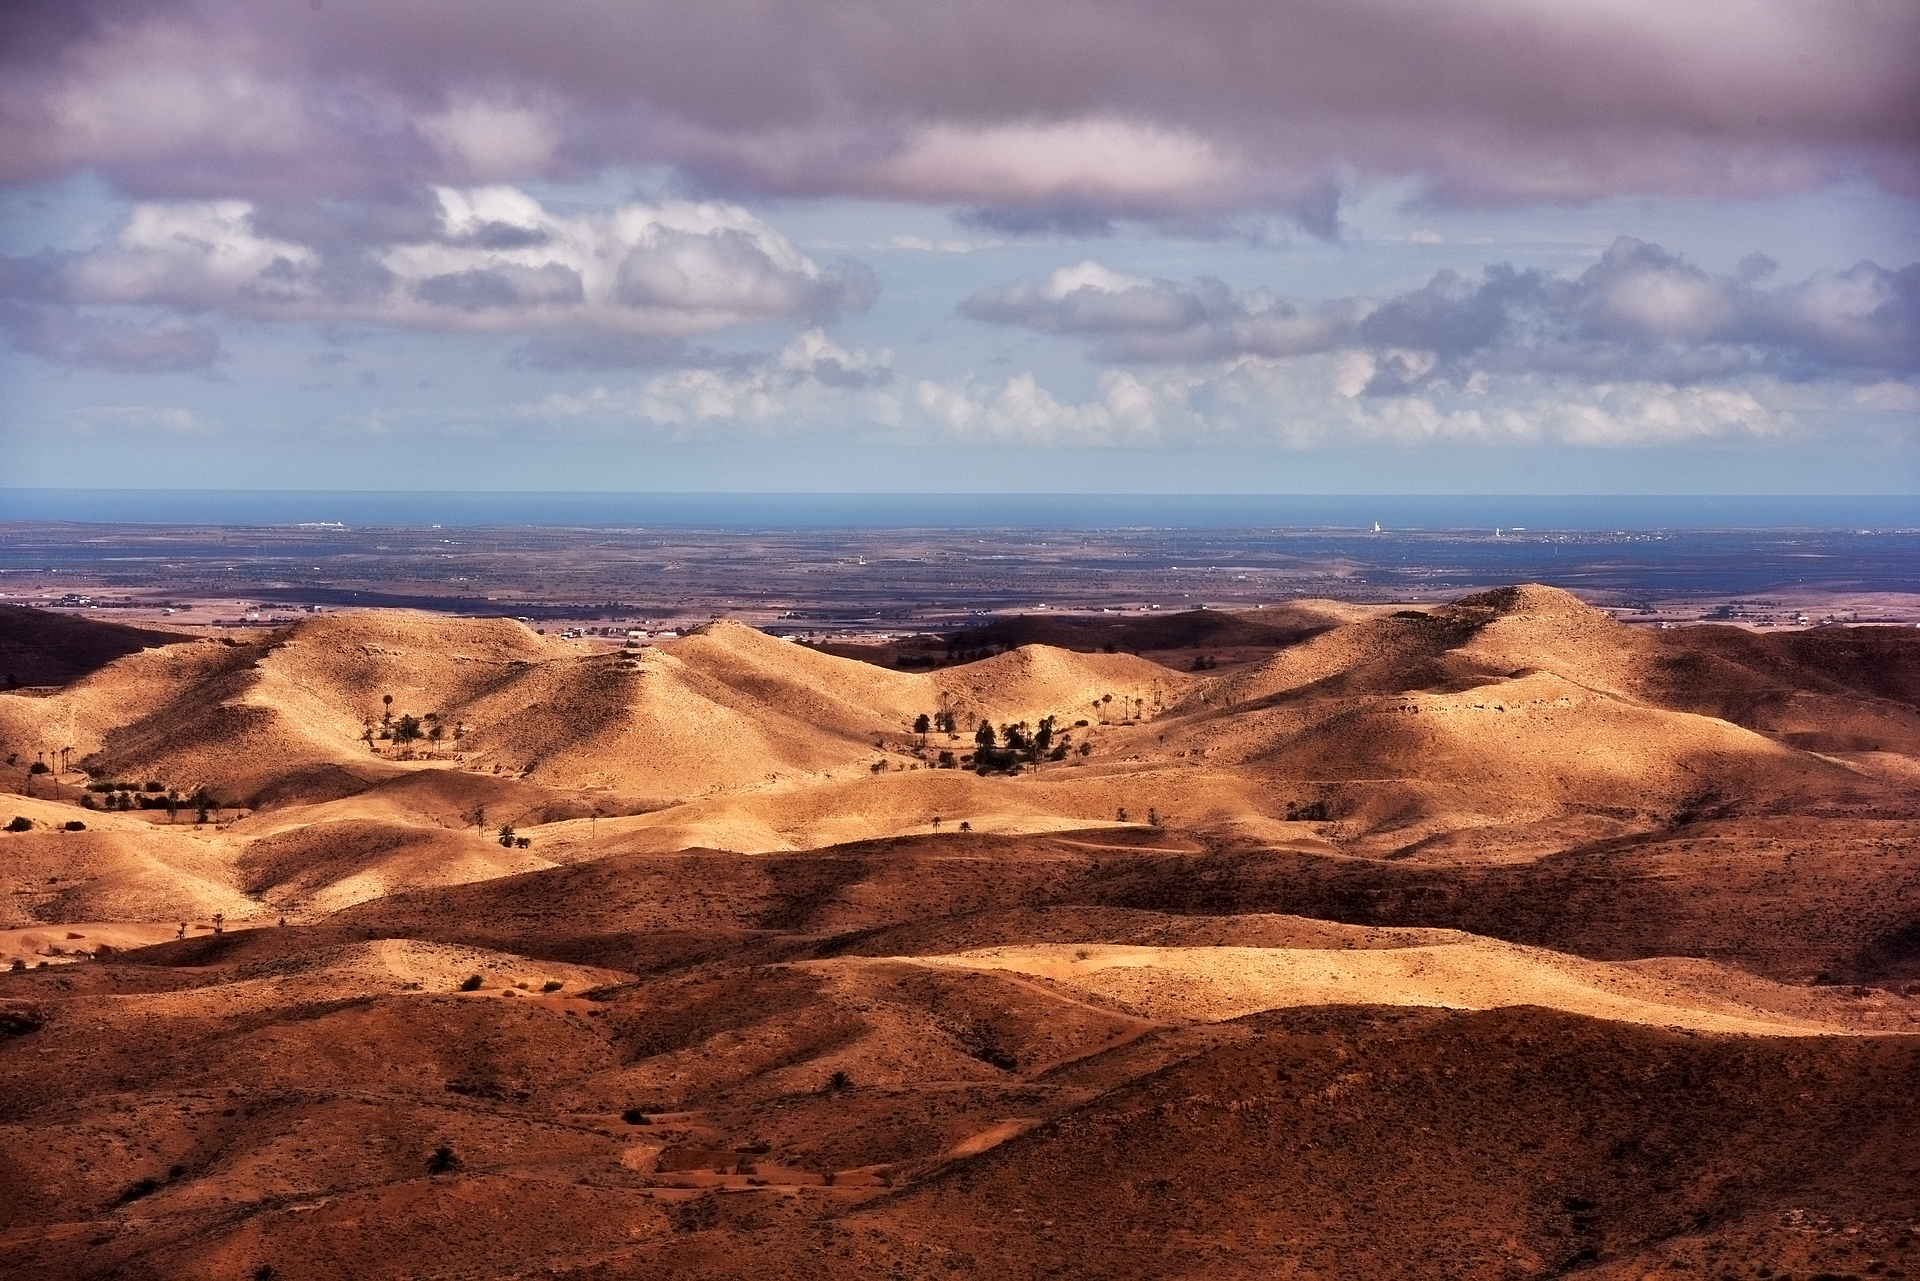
(1399, 512)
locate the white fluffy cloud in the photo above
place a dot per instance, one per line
(1128, 410)
(492, 260)
(1314, 402)
(812, 377)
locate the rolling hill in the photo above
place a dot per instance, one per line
(1492, 938)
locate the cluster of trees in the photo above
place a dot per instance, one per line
(1132, 707)
(153, 795)
(963, 654)
(407, 729)
(1016, 745)
(1307, 812)
(126, 796)
(924, 724)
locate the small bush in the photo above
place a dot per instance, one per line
(442, 1160)
(75, 825)
(21, 823)
(552, 985)
(839, 1081)
(634, 1116)
(470, 984)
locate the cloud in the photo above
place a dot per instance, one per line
(1305, 404)
(492, 260)
(811, 376)
(175, 420)
(1640, 313)
(950, 245)
(1064, 114)
(88, 341)
(1134, 319)
(1127, 411)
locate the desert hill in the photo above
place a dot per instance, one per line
(293, 717)
(1493, 938)
(1275, 627)
(43, 647)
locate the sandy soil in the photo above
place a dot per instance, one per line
(1491, 938)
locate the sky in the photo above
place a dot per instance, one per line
(1226, 246)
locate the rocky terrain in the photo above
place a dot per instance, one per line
(1487, 939)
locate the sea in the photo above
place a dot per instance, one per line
(1357, 512)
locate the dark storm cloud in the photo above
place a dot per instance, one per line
(1034, 115)
(1639, 313)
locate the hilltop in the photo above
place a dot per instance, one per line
(43, 647)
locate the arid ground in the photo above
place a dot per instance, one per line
(1492, 938)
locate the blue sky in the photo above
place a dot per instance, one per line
(1485, 247)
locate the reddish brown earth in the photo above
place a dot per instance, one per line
(1484, 940)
